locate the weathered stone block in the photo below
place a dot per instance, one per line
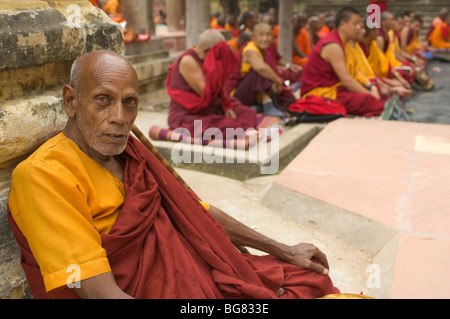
(38, 42)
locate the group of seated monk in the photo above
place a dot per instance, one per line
(343, 60)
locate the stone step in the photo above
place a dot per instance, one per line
(238, 164)
(148, 56)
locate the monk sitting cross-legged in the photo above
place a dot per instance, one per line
(326, 74)
(259, 83)
(195, 84)
(377, 67)
(97, 215)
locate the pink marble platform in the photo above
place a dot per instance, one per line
(396, 173)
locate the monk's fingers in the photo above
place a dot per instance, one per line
(320, 256)
(316, 267)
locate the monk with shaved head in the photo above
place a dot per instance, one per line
(195, 83)
(259, 83)
(96, 215)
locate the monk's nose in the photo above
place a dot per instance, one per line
(118, 114)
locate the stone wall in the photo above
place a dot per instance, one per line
(38, 42)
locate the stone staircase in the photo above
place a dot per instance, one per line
(151, 62)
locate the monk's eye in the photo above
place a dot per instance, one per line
(130, 102)
(102, 100)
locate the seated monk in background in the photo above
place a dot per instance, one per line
(95, 201)
(442, 17)
(259, 83)
(370, 54)
(388, 43)
(195, 84)
(326, 74)
(440, 36)
(410, 42)
(302, 41)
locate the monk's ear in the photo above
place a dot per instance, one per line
(70, 97)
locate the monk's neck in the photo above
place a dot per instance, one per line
(343, 38)
(201, 54)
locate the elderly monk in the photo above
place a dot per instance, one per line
(257, 81)
(93, 201)
(326, 74)
(195, 83)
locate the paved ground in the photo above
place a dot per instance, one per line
(371, 194)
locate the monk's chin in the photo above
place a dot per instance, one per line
(112, 149)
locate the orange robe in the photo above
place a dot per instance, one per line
(440, 37)
(304, 44)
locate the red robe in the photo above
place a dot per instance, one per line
(164, 244)
(248, 86)
(186, 106)
(319, 73)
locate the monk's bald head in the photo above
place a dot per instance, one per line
(210, 38)
(86, 65)
(102, 103)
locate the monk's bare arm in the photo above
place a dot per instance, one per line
(101, 287)
(299, 254)
(334, 54)
(193, 74)
(261, 67)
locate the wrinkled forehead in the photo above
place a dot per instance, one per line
(107, 68)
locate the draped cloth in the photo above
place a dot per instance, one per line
(186, 106)
(164, 244)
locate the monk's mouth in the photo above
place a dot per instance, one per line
(116, 137)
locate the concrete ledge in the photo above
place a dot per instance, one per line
(238, 164)
(377, 240)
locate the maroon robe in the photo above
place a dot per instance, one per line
(164, 244)
(186, 106)
(248, 87)
(320, 73)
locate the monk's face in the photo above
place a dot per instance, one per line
(263, 37)
(388, 22)
(352, 27)
(416, 26)
(107, 106)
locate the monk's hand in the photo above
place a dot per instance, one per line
(374, 92)
(277, 88)
(296, 68)
(230, 113)
(302, 254)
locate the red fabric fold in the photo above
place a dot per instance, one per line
(217, 66)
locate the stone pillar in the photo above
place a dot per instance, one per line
(139, 15)
(38, 42)
(176, 15)
(286, 38)
(198, 18)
